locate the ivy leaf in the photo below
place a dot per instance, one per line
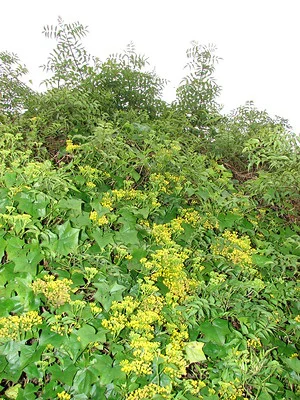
(127, 236)
(67, 239)
(12, 392)
(87, 334)
(216, 331)
(194, 352)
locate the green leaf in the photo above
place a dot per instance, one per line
(71, 204)
(292, 363)
(10, 179)
(68, 238)
(87, 335)
(228, 220)
(29, 258)
(194, 352)
(68, 374)
(216, 331)
(102, 238)
(14, 248)
(12, 392)
(34, 204)
(127, 236)
(83, 381)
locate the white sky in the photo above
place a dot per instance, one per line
(259, 41)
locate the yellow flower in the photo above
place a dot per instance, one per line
(63, 396)
(93, 216)
(254, 343)
(149, 391)
(56, 291)
(235, 249)
(297, 319)
(70, 147)
(90, 185)
(13, 327)
(102, 220)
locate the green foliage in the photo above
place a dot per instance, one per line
(197, 93)
(69, 61)
(123, 84)
(234, 130)
(274, 153)
(133, 266)
(14, 92)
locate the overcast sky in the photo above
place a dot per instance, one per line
(258, 40)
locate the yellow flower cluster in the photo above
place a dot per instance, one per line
(140, 317)
(107, 201)
(168, 263)
(13, 327)
(90, 273)
(115, 323)
(297, 318)
(174, 353)
(33, 169)
(101, 221)
(94, 308)
(162, 234)
(160, 182)
(63, 396)
(164, 183)
(255, 343)
(237, 250)
(190, 216)
(176, 225)
(120, 314)
(136, 197)
(209, 225)
(13, 218)
(57, 292)
(230, 390)
(147, 316)
(193, 386)
(149, 391)
(90, 185)
(88, 172)
(70, 147)
(144, 352)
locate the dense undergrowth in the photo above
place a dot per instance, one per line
(148, 251)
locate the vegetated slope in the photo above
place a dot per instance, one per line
(134, 263)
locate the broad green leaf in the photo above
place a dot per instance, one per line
(127, 236)
(12, 392)
(293, 363)
(228, 220)
(10, 179)
(102, 238)
(87, 334)
(83, 380)
(216, 331)
(194, 352)
(71, 204)
(14, 248)
(34, 204)
(67, 239)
